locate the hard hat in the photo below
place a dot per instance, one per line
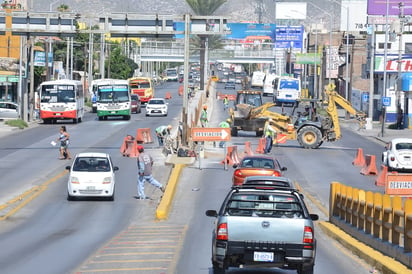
(229, 120)
(140, 148)
(205, 107)
(169, 126)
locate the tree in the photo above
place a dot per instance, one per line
(205, 8)
(120, 66)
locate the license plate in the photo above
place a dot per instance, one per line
(90, 188)
(112, 112)
(58, 114)
(288, 95)
(263, 256)
(156, 111)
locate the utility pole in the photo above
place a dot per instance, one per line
(398, 83)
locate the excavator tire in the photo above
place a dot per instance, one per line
(310, 137)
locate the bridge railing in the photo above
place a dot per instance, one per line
(381, 221)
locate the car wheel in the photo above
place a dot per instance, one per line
(70, 197)
(218, 270)
(305, 270)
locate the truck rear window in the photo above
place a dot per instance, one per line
(264, 205)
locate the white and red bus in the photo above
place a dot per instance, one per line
(61, 100)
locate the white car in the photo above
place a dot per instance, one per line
(156, 106)
(9, 110)
(398, 155)
(92, 174)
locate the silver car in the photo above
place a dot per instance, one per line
(9, 110)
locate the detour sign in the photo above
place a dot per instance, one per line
(200, 134)
(399, 184)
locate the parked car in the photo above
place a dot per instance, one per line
(263, 229)
(92, 174)
(230, 84)
(156, 106)
(136, 103)
(398, 155)
(9, 110)
(256, 165)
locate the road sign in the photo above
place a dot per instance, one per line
(365, 97)
(386, 101)
(200, 134)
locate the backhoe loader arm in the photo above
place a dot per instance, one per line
(335, 98)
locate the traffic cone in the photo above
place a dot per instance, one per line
(370, 166)
(382, 177)
(261, 147)
(248, 149)
(360, 159)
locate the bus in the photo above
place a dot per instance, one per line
(143, 86)
(112, 98)
(171, 74)
(61, 100)
(287, 90)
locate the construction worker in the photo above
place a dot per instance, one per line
(162, 132)
(270, 135)
(203, 117)
(224, 124)
(225, 103)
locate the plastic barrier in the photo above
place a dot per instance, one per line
(144, 136)
(281, 138)
(370, 166)
(129, 147)
(248, 149)
(360, 159)
(382, 177)
(168, 95)
(231, 157)
(180, 92)
(261, 147)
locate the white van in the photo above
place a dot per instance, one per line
(258, 78)
(287, 90)
(269, 84)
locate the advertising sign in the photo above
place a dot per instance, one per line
(392, 63)
(289, 36)
(379, 7)
(40, 59)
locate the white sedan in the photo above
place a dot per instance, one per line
(92, 174)
(398, 155)
(156, 106)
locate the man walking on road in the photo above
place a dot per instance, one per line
(144, 165)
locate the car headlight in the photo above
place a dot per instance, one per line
(74, 180)
(107, 180)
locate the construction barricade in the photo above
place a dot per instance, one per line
(360, 159)
(382, 176)
(129, 147)
(370, 166)
(248, 149)
(231, 157)
(261, 146)
(143, 136)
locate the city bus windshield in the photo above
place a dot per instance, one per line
(113, 93)
(58, 94)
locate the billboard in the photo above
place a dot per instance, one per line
(389, 7)
(289, 37)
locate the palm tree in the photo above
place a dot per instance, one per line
(205, 8)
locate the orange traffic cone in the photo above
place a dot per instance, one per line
(382, 177)
(360, 159)
(370, 166)
(261, 147)
(248, 149)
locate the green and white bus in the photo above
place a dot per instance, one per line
(112, 98)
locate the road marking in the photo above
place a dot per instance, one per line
(22, 200)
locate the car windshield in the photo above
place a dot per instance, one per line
(156, 102)
(264, 205)
(258, 163)
(91, 164)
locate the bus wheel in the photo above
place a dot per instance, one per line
(75, 121)
(100, 118)
(127, 117)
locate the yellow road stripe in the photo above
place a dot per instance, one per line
(35, 191)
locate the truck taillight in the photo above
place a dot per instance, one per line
(308, 235)
(222, 232)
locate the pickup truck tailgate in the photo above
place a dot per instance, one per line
(290, 230)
